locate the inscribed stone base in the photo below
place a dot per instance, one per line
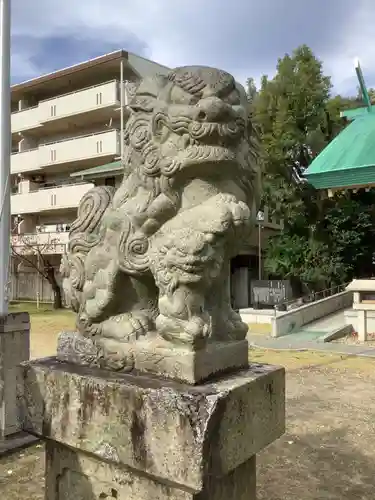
(147, 436)
(14, 349)
(75, 474)
(156, 356)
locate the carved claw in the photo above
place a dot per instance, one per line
(194, 332)
(127, 328)
(115, 355)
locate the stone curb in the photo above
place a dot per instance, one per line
(365, 354)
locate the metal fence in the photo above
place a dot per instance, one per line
(312, 297)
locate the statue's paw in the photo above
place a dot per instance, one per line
(238, 330)
(230, 329)
(127, 327)
(115, 355)
(194, 332)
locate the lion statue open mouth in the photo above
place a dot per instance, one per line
(154, 254)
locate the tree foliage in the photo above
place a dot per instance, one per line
(325, 241)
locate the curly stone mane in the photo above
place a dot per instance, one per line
(153, 255)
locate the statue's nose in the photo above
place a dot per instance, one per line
(213, 109)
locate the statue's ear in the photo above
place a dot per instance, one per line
(146, 93)
(131, 89)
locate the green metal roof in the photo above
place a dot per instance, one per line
(349, 160)
(352, 114)
(100, 171)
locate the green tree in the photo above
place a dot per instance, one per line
(347, 226)
(306, 261)
(297, 118)
(359, 97)
(291, 110)
(251, 90)
(334, 123)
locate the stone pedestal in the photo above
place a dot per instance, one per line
(363, 307)
(362, 325)
(138, 437)
(14, 349)
(155, 356)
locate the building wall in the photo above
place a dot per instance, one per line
(56, 175)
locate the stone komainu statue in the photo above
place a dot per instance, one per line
(154, 254)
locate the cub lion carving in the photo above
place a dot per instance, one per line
(154, 254)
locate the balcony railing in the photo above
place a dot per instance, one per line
(45, 243)
(74, 103)
(25, 119)
(54, 198)
(27, 161)
(100, 144)
(83, 101)
(80, 148)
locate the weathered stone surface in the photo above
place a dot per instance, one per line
(174, 433)
(154, 254)
(14, 349)
(75, 348)
(186, 365)
(73, 474)
(156, 356)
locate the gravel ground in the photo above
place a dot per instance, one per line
(326, 453)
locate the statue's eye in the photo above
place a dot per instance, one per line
(234, 98)
(194, 99)
(179, 96)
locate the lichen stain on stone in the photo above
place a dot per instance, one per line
(193, 415)
(270, 390)
(46, 425)
(87, 402)
(108, 452)
(105, 399)
(137, 433)
(65, 403)
(52, 403)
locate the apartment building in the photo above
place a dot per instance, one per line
(66, 138)
(63, 122)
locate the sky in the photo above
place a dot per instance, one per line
(244, 37)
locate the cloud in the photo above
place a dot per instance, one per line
(244, 37)
(55, 52)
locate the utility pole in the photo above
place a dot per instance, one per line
(5, 150)
(260, 227)
(122, 106)
(351, 114)
(259, 249)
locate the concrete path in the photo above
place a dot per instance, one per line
(310, 338)
(306, 342)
